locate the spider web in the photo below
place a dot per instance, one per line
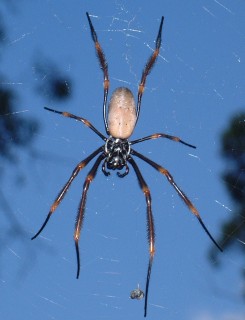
(194, 90)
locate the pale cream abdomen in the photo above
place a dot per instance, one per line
(121, 113)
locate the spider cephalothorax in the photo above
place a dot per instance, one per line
(116, 153)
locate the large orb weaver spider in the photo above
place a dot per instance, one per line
(120, 118)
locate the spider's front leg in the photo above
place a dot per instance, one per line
(181, 194)
(62, 193)
(150, 226)
(81, 208)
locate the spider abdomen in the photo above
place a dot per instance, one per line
(121, 113)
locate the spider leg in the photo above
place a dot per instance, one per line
(62, 193)
(104, 68)
(84, 121)
(147, 283)
(81, 208)
(149, 65)
(150, 226)
(182, 195)
(162, 135)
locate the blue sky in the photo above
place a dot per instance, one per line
(197, 84)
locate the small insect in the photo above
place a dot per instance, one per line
(137, 294)
(120, 118)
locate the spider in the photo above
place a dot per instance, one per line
(120, 118)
